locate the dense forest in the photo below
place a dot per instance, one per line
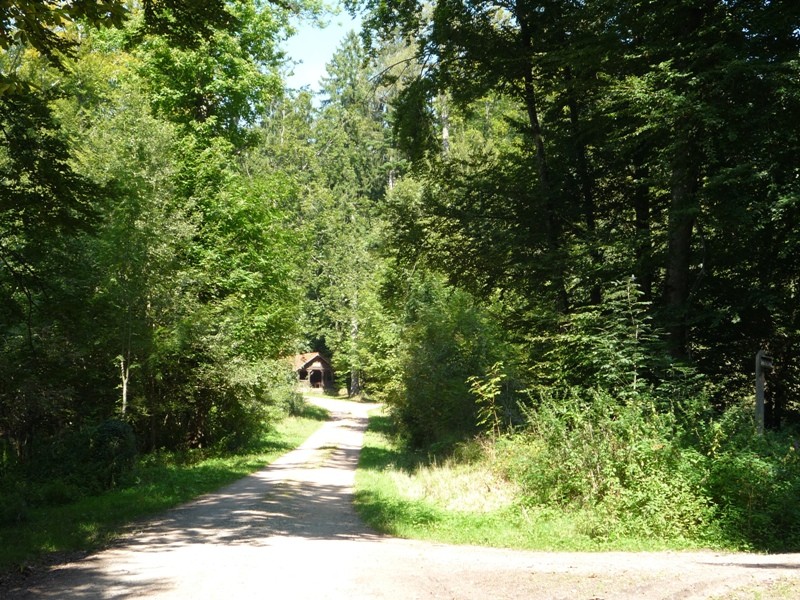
(565, 227)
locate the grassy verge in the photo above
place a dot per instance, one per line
(161, 481)
(461, 500)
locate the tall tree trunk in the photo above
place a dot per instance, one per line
(445, 117)
(124, 374)
(355, 374)
(586, 184)
(643, 249)
(683, 211)
(543, 171)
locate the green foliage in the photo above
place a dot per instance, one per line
(251, 256)
(42, 194)
(186, 24)
(113, 452)
(344, 312)
(250, 397)
(629, 469)
(464, 499)
(38, 23)
(45, 212)
(13, 508)
(622, 461)
(145, 276)
(753, 480)
(615, 347)
(587, 142)
(218, 85)
(446, 339)
(486, 392)
(57, 493)
(413, 121)
(90, 460)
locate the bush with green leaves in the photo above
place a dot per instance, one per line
(632, 469)
(90, 459)
(614, 346)
(755, 481)
(112, 452)
(224, 406)
(13, 506)
(619, 464)
(251, 396)
(447, 339)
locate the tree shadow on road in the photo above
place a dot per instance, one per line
(306, 495)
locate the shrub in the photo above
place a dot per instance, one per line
(89, 459)
(112, 453)
(755, 481)
(621, 465)
(628, 469)
(447, 339)
(57, 493)
(251, 396)
(13, 508)
(616, 348)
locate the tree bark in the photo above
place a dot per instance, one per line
(543, 171)
(683, 211)
(643, 249)
(445, 117)
(355, 376)
(124, 373)
(586, 183)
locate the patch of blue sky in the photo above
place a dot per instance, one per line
(311, 48)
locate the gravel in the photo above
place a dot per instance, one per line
(290, 531)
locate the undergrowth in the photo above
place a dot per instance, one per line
(597, 476)
(410, 494)
(605, 439)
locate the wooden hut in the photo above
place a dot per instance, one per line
(313, 370)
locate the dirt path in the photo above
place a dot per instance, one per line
(289, 531)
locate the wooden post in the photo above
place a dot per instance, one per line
(763, 363)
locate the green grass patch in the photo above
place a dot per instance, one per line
(461, 499)
(160, 481)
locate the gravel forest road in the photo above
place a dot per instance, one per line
(290, 531)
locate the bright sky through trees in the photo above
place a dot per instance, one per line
(313, 47)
